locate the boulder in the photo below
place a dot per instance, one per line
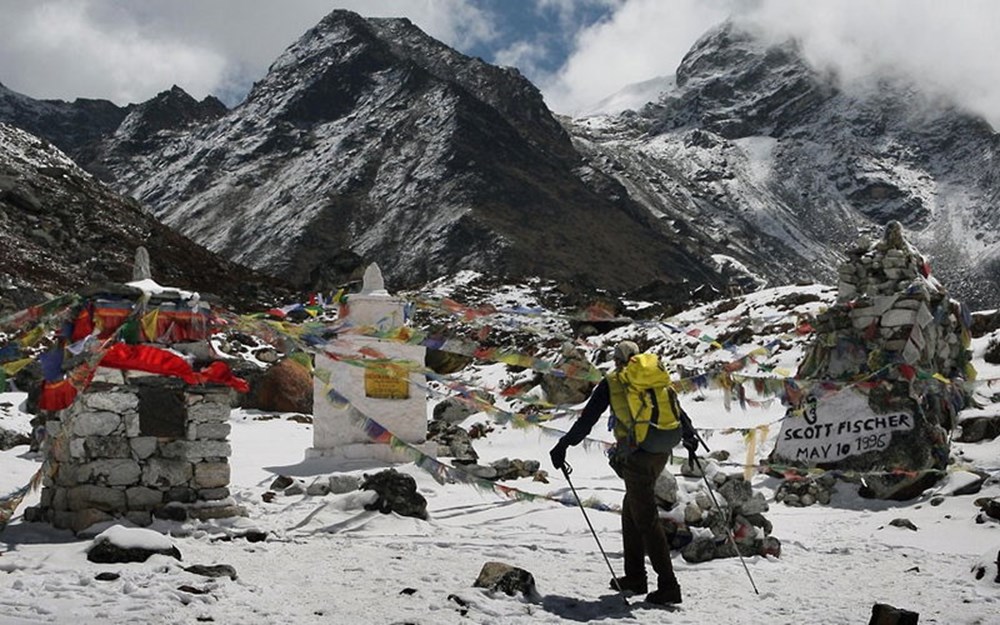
(990, 507)
(978, 429)
(10, 439)
(397, 492)
(883, 614)
(452, 441)
(988, 568)
(341, 483)
(215, 570)
(510, 580)
(285, 387)
(444, 363)
(453, 410)
(119, 544)
(508, 469)
(665, 490)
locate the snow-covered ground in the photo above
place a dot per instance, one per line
(327, 560)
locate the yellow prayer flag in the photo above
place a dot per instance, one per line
(33, 336)
(149, 324)
(11, 368)
(970, 371)
(751, 440)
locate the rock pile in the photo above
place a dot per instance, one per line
(453, 442)
(569, 387)
(806, 491)
(700, 529)
(896, 347)
(897, 311)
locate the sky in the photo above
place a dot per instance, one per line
(578, 52)
(326, 559)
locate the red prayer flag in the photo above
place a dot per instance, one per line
(56, 395)
(907, 371)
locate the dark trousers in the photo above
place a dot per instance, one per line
(642, 533)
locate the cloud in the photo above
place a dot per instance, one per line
(536, 41)
(56, 49)
(128, 51)
(948, 48)
(641, 39)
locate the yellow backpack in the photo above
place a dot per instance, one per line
(646, 386)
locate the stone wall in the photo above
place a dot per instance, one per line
(152, 447)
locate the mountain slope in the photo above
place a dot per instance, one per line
(368, 140)
(72, 126)
(62, 230)
(786, 167)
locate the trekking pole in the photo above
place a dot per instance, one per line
(729, 531)
(566, 469)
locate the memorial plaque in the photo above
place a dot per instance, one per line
(386, 384)
(162, 411)
(837, 426)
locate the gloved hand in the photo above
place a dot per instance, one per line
(558, 455)
(690, 442)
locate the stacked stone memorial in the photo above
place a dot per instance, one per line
(881, 385)
(135, 445)
(150, 447)
(368, 388)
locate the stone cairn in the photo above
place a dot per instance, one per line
(894, 327)
(700, 529)
(152, 447)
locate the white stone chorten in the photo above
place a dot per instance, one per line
(345, 393)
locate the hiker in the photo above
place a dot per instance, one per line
(638, 460)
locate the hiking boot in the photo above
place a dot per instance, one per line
(665, 596)
(630, 584)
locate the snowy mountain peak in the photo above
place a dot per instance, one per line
(370, 141)
(785, 166)
(737, 85)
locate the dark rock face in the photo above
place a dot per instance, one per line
(734, 87)
(146, 125)
(71, 126)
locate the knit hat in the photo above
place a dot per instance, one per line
(624, 351)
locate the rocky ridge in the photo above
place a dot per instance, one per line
(62, 231)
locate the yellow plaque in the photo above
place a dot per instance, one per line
(385, 384)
